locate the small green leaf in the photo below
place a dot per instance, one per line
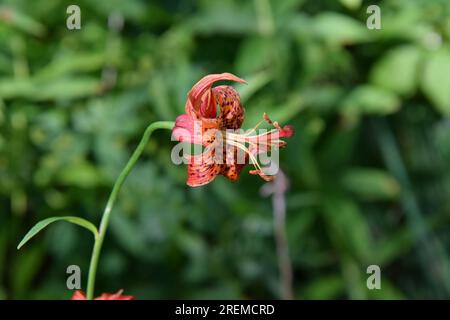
(349, 229)
(255, 54)
(398, 70)
(325, 287)
(255, 83)
(42, 224)
(22, 21)
(340, 29)
(371, 184)
(351, 4)
(435, 81)
(367, 99)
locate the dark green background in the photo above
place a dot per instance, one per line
(369, 166)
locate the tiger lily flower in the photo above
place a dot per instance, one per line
(226, 148)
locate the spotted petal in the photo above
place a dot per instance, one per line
(201, 102)
(202, 168)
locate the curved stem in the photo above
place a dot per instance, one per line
(112, 199)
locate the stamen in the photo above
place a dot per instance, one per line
(266, 118)
(254, 144)
(247, 151)
(254, 128)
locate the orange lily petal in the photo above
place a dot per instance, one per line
(202, 168)
(201, 102)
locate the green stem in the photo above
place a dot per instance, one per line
(112, 199)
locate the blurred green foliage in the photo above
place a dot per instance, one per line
(369, 166)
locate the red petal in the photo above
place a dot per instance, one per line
(187, 129)
(202, 104)
(78, 295)
(202, 169)
(114, 296)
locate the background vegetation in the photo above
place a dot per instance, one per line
(369, 168)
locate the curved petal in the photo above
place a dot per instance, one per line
(187, 129)
(201, 102)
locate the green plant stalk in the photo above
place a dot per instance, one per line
(112, 199)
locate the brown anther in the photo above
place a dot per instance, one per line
(266, 117)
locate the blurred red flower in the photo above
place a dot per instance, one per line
(79, 295)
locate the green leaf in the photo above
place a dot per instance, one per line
(368, 99)
(57, 89)
(324, 287)
(341, 29)
(224, 17)
(72, 63)
(255, 54)
(371, 184)
(26, 267)
(69, 88)
(80, 173)
(348, 228)
(44, 223)
(403, 240)
(351, 4)
(283, 113)
(398, 70)
(436, 80)
(255, 83)
(22, 21)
